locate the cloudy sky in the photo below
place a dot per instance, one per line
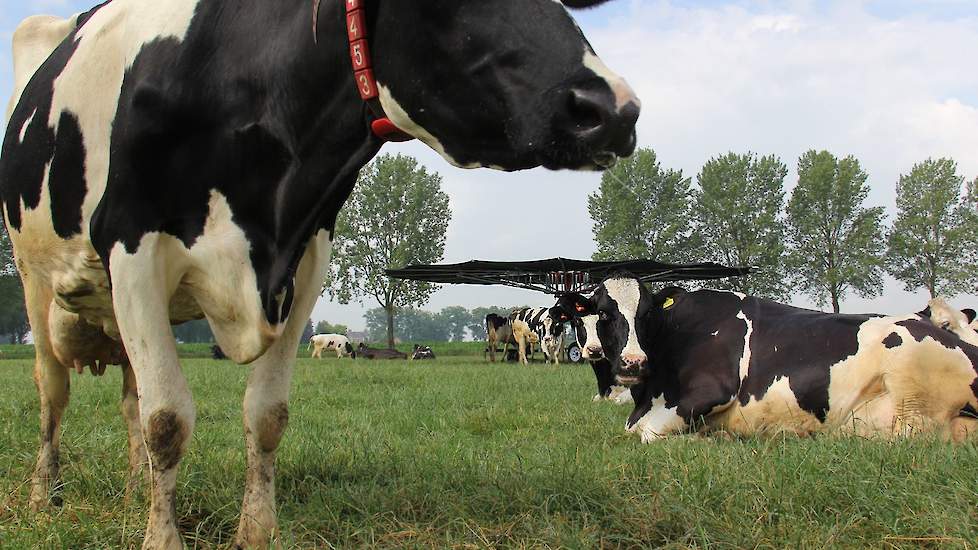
(892, 82)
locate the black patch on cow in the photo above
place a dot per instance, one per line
(800, 345)
(67, 178)
(920, 330)
(892, 341)
(604, 376)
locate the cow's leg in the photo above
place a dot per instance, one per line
(266, 412)
(492, 348)
(142, 285)
(138, 459)
(52, 381)
(521, 342)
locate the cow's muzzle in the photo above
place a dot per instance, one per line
(632, 368)
(594, 353)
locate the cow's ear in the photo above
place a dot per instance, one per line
(575, 305)
(970, 314)
(583, 3)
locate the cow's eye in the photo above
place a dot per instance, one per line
(946, 325)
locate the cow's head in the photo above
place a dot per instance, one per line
(622, 307)
(962, 323)
(585, 332)
(500, 83)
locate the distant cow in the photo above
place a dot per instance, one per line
(378, 353)
(546, 323)
(499, 330)
(721, 360)
(422, 352)
(335, 342)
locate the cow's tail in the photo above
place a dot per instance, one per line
(35, 38)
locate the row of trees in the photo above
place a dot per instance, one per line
(823, 240)
(451, 324)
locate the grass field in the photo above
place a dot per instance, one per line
(456, 453)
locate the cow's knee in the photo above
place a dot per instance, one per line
(166, 433)
(270, 427)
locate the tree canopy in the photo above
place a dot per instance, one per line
(836, 244)
(933, 243)
(738, 212)
(643, 211)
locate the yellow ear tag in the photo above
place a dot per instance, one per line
(668, 303)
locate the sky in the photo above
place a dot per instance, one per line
(892, 82)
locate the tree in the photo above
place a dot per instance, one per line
(454, 319)
(13, 313)
(396, 216)
(933, 241)
(738, 209)
(836, 245)
(643, 211)
(324, 327)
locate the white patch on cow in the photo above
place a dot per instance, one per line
(23, 129)
(740, 295)
(745, 356)
(220, 277)
(624, 94)
(621, 395)
(714, 333)
(658, 423)
(626, 293)
(776, 411)
(402, 120)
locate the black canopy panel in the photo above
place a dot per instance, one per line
(561, 275)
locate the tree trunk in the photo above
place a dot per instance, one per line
(835, 300)
(390, 326)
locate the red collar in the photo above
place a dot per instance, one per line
(356, 32)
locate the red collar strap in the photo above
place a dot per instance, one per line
(363, 74)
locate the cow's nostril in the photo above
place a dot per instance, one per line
(588, 111)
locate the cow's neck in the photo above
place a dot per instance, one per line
(319, 112)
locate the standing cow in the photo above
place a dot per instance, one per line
(721, 360)
(546, 323)
(169, 161)
(334, 342)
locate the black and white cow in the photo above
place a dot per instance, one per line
(546, 323)
(168, 161)
(586, 334)
(422, 352)
(720, 360)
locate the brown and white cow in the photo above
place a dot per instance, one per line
(169, 161)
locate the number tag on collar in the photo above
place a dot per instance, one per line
(668, 303)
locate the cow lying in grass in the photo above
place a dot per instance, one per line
(368, 352)
(710, 360)
(422, 352)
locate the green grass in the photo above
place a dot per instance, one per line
(458, 453)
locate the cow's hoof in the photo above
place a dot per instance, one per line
(163, 538)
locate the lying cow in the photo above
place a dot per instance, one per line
(176, 160)
(720, 360)
(368, 352)
(960, 322)
(586, 334)
(422, 352)
(333, 342)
